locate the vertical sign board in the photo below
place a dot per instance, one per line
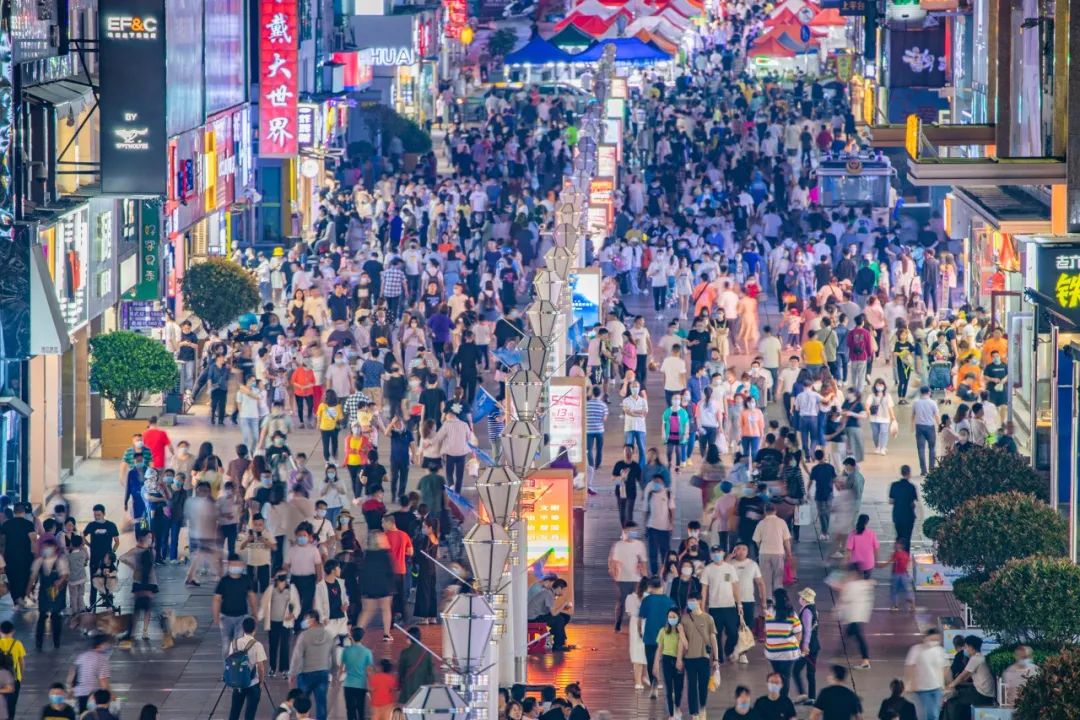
(551, 524)
(278, 49)
(566, 418)
(147, 286)
(14, 242)
(132, 97)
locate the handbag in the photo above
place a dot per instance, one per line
(697, 481)
(745, 640)
(803, 515)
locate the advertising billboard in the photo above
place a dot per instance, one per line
(1053, 270)
(278, 50)
(566, 418)
(550, 539)
(184, 58)
(585, 294)
(917, 58)
(224, 54)
(133, 138)
(32, 35)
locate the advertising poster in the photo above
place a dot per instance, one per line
(133, 135)
(1053, 270)
(566, 418)
(933, 576)
(601, 208)
(585, 294)
(917, 58)
(278, 71)
(607, 161)
(224, 54)
(551, 523)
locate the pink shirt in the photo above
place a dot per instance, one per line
(863, 549)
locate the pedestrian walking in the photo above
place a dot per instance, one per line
(245, 671)
(233, 601)
(670, 644)
(783, 637)
(313, 660)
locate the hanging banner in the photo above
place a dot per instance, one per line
(277, 78)
(133, 135)
(917, 58)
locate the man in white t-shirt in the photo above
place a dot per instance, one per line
(924, 673)
(626, 565)
(643, 343)
(720, 588)
(788, 377)
(749, 579)
(635, 409)
(770, 349)
(256, 653)
(674, 370)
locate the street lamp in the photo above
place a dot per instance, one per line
(559, 260)
(521, 442)
(548, 285)
(500, 489)
(543, 318)
(436, 701)
(526, 390)
(488, 548)
(468, 620)
(536, 354)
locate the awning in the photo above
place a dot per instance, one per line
(48, 333)
(63, 92)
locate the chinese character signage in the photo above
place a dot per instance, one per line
(457, 17)
(277, 78)
(132, 97)
(601, 208)
(550, 536)
(307, 122)
(147, 286)
(1053, 270)
(917, 58)
(566, 418)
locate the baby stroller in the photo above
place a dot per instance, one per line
(105, 583)
(940, 378)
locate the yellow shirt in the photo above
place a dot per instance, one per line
(813, 352)
(328, 416)
(17, 651)
(668, 642)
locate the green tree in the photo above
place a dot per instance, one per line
(986, 532)
(219, 291)
(1031, 600)
(960, 476)
(126, 367)
(1054, 693)
(501, 42)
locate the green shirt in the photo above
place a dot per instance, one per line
(356, 659)
(432, 489)
(668, 642)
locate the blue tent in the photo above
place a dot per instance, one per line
(627, 50)
(538, 51)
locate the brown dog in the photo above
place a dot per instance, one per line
(174, 626)
(107, 623)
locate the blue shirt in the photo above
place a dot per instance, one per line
(371, 371)
(596, 412)
(356, 659)
(654, 610)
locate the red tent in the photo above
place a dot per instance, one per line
(784, 17)
(592, 25)
(770, 47)
(828, 17)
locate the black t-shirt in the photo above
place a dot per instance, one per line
(855, 407)
(395, 387)
(779, 709)
(432, 399)
(185, 352)
(823, 475)
(51, 713)
(992, 373)
(374, 473)
(769, 461)
(633, 476)
(16, 532)
(101, 536)
(699, 352)
(234, 593)
(733, 714)
(837, 702)
(903, 495)
(580, 712)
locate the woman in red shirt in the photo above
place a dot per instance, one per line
(303, 385)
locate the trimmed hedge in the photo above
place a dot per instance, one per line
(961, 476)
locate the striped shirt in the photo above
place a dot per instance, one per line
(596, 412)
(91, 666)
(780, 640)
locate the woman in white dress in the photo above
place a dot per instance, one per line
(637, 645)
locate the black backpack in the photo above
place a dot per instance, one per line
(815, 643)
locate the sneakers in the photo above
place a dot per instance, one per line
(387, 639)
(864, 665)
(743, 660)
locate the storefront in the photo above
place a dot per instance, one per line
(403, 51)
(74, 298)
(1052, 274)
(320, 133)
(206, 209)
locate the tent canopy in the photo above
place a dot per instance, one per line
(828, 17)
(627, 50)
(538, 52)
(570, 36)
(593, 25)
(771, 47)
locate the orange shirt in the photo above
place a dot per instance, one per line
(400, 546)
(383, 688)
(995, 345)
(970, 371)
(303, 382)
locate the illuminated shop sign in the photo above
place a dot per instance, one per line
(1053, 270)
(388, 56)
(278, 78)
(129, 27)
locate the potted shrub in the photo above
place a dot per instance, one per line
(1033, 601)
(127, 368)
(958, 477)
(1054, 693)
(219, 291)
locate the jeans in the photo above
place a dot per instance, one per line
(329, 444)
(626, 508)
(707, 438)
(697, 683)
(249, 697)
(726, 620)
(824, 507)
(750, 445)
(900, 584)
(187, 375)
(230, 628)
(659, 298)
(249, 432)
(853, 436)
(623, 589)
(925, 437)
(929, 703)
(399, 478)
(808, 663)
(842, 366)
(637, 439)
(316, 684)
(673, 682)
(858, 375)
(855, 630)
(355, 703)
(455, 471)
(174, 536)
(302, 402)
(879, 431)
(228, 534)
(557, 625)
(808, 433)
(217, 406)
(650, 658)
(659, 542)
(594, 448)
(56, 624)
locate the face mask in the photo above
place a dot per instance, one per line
(266, 481)
(236, 570)
(692, 606)
(718, 557)
(137, 444)
(695, 533)
(675, 403)
(743, 706)
(775, 688)
(278, 442)
(672, 621)
(305, 623)
(320, 513)
(748, 492)
(331, 474)
(632, 534)
(48, 552)
(57, 699)
(634, 388)
(1027, 662)
(302, 540)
